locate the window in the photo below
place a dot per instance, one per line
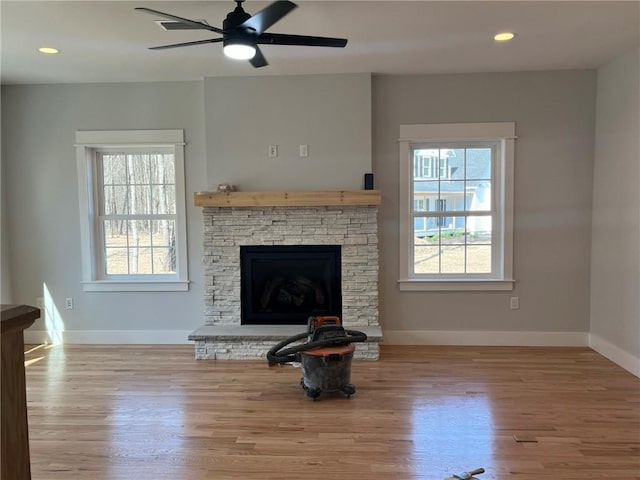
(428, 166)
(456, 206)
(132, 210)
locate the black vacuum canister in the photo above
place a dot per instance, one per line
(325, 357)
(327, 370)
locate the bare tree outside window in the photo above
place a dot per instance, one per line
(137, 207)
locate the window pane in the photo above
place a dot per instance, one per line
(421, 203)
(420, 227)
(426, 189)
(452, 194)
(163, 199)
(425, 163)
(452, 258)
(163, 233)
(114, 169)
(426, 258)
(479, 259)
(140, 199)
(138, 233)
(139, 169)
(453, 232)
(479, 195)
(478, 163)
(139, 260)
(479, 229)
(455, 160)
(115, 200)
(424, 227)
(442, 164)
(115, 233)
(164, 260)
(162, 169)
(116, 260)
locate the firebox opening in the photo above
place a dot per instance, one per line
(284, 285)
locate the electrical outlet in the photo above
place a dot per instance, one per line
(68, 303)
(273, 150)
(304, 150)
(514, 302)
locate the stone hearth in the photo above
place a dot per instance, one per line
(226, 228)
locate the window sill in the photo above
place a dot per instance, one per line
(158, 286)
(455, 285)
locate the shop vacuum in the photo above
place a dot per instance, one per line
(325, 357)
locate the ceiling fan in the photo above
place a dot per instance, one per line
(242, 33)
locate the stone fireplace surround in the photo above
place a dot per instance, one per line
(349, 219)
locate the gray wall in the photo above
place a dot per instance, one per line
(615, 258)
(233, 123)
(555, 116)
(38, 131)
(5, 272)
(233, 120)
(329, 113)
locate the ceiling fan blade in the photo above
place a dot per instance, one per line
(305, 40)
(268, 16)
(193, 23)
(186, 44)
(173, 25)
(258, 59)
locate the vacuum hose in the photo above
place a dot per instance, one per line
(292, 354)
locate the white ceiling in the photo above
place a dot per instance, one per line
(107, 41)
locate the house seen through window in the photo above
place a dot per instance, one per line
(452, 209)
(456, 206)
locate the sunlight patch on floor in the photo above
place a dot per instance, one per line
(32, 361)
(452, 431)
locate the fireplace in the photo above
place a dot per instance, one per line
(228, 228)
(285, 284)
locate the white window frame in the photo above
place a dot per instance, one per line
(502, 199)
(87, 143)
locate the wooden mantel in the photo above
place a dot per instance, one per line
(288, 199)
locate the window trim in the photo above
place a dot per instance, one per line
(504, 132)
(86, 144)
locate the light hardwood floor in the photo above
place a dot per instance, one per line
(153, 412)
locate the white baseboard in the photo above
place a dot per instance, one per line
(623, 358)
(106, 337)
(390, 337)
(483, 338)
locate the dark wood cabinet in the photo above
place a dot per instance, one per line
(15, 432)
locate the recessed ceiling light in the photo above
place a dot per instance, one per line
(503, 36)
(49, 50)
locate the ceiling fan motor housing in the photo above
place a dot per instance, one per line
(234, 35)
(235, 18)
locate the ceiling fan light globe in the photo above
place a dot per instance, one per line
(239, 51)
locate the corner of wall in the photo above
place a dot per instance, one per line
(618, 356)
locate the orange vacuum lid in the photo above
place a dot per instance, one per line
(327, 351)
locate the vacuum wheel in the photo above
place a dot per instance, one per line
(349, 390)
(313, 393)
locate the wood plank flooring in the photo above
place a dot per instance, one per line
(153, 412)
